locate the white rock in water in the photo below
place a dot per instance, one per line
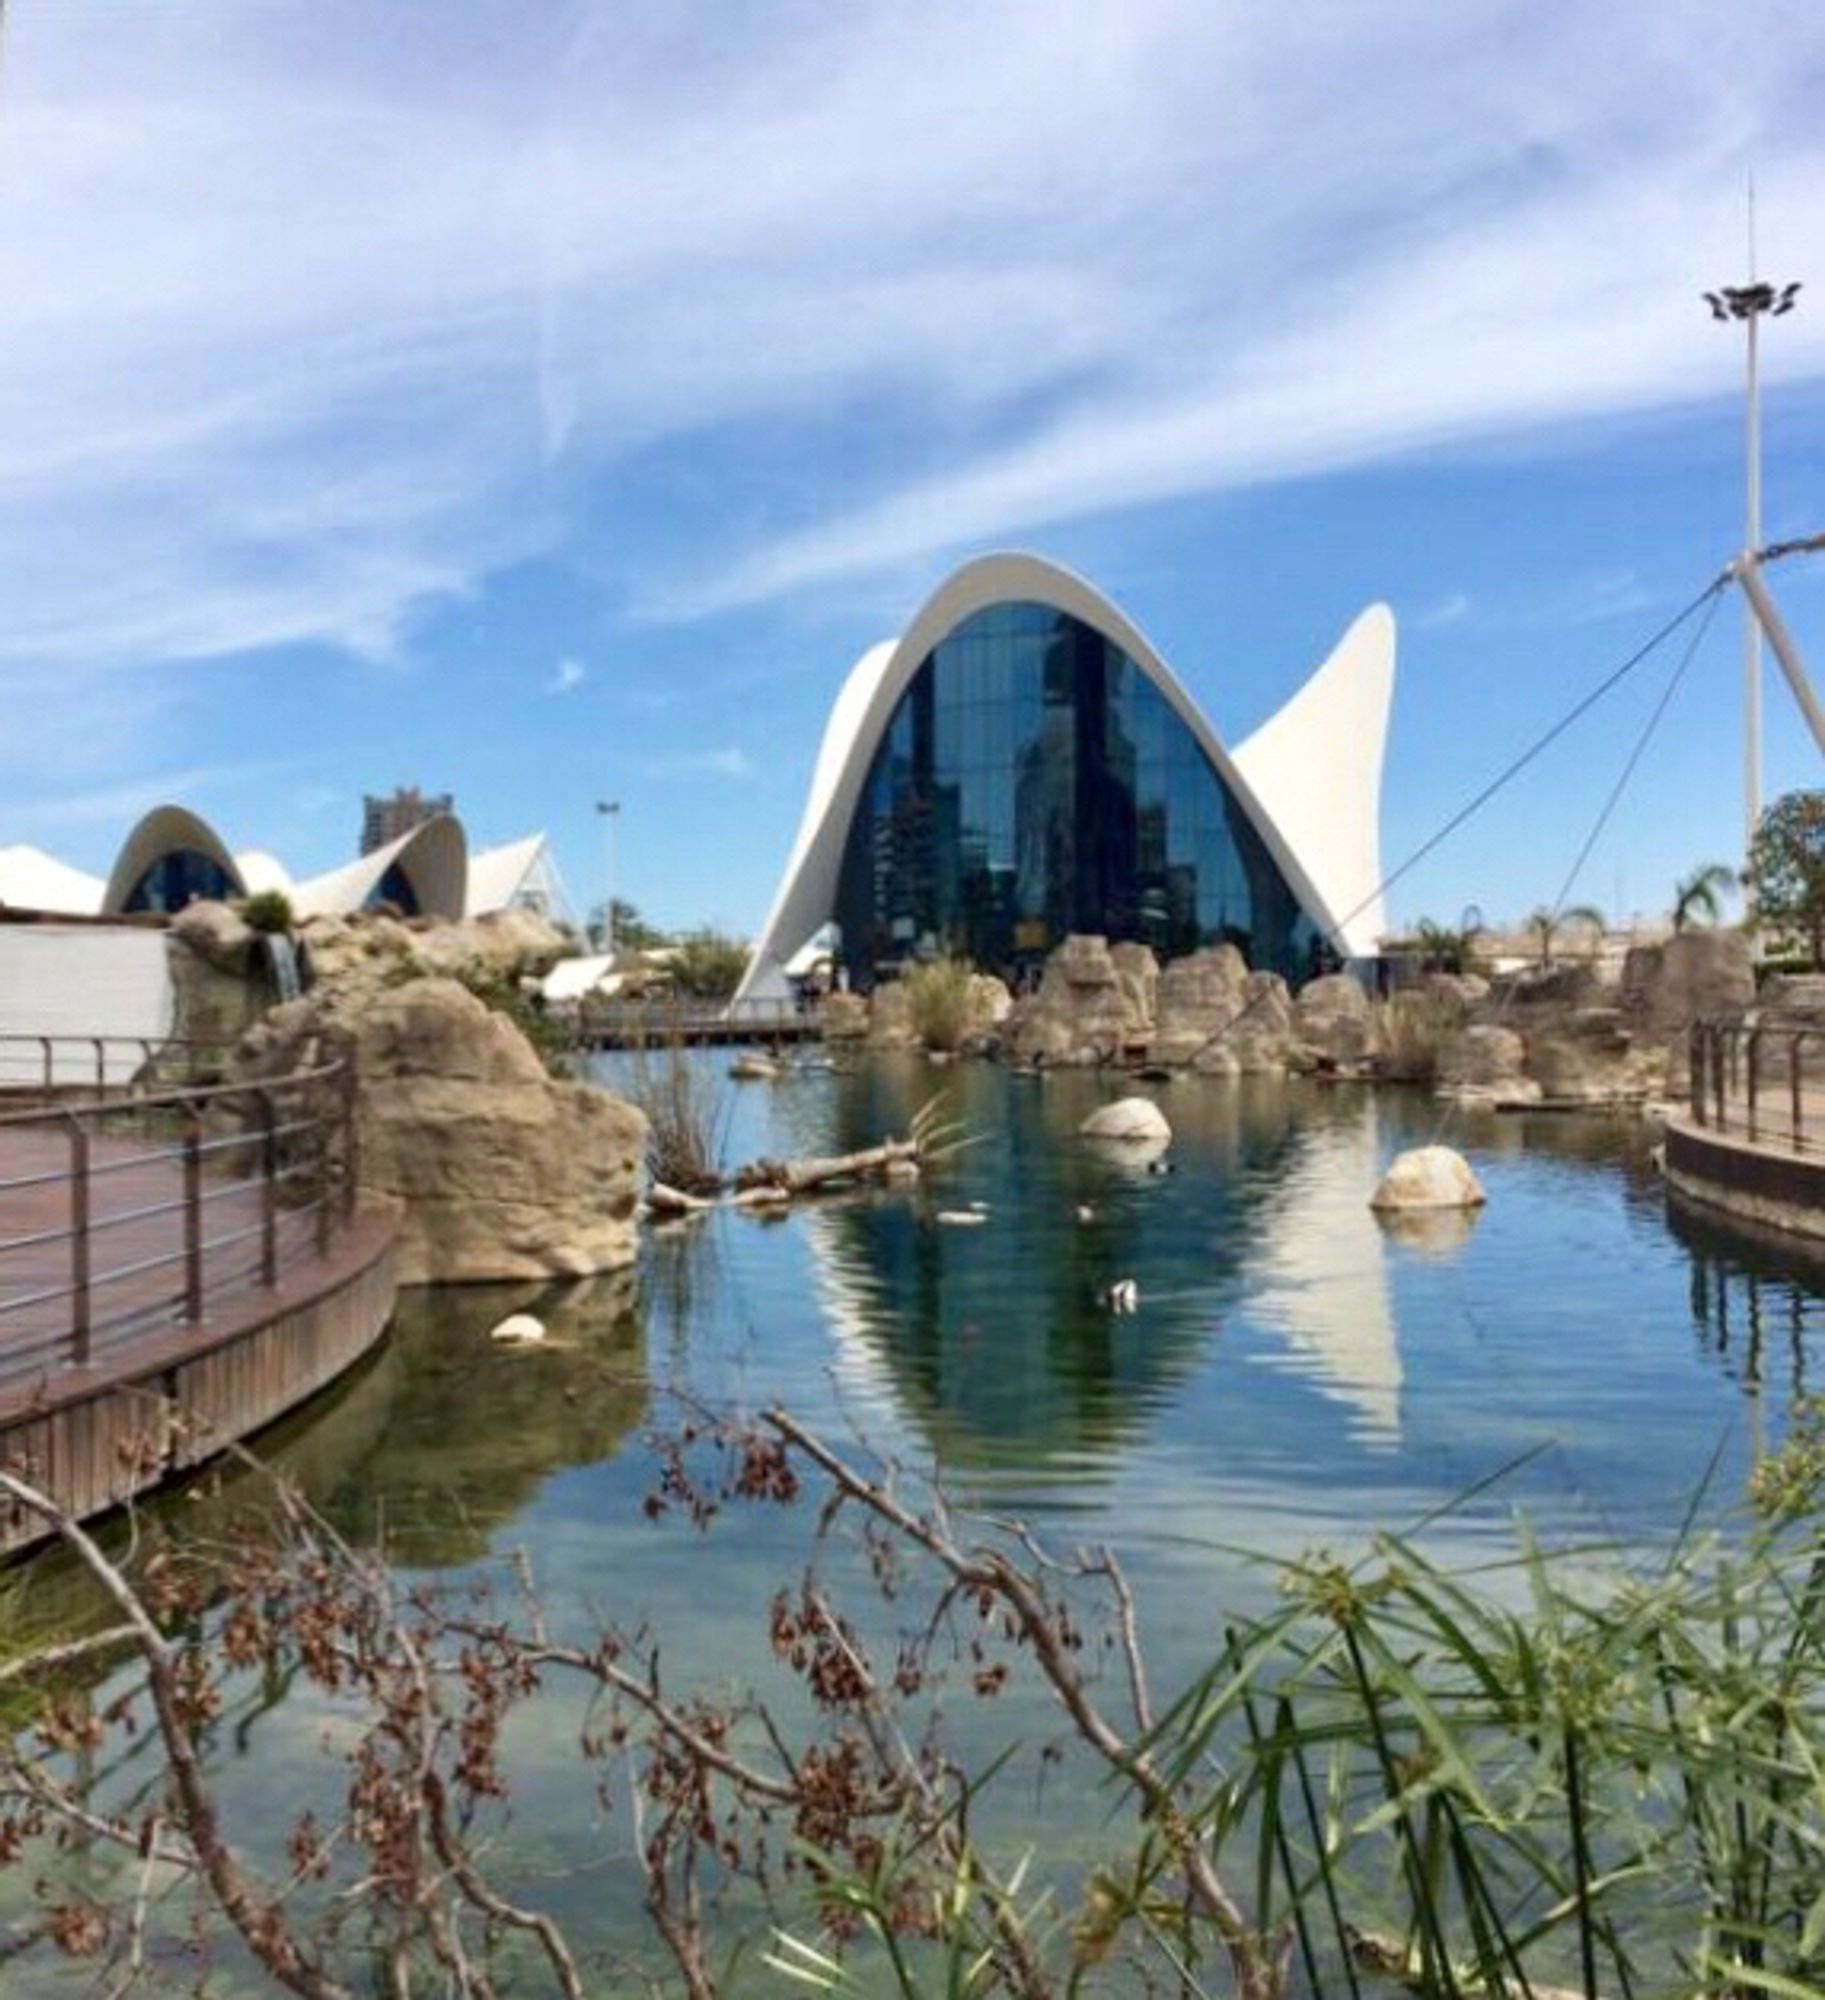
(1429, 1177)
(962, 1218)
(518, 1330)
(1133, 1120)
(754, 1069)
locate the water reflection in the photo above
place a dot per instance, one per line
(455, 1433)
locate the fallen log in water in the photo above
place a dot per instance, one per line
(887, 1161)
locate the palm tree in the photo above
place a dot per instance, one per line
(1548, 924)
(1701, 894)
(1442, 949)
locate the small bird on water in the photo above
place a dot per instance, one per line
(1122, 1296)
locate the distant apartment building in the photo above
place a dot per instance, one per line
(383, 821)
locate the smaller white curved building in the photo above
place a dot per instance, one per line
(1021, 764)
(424, 873)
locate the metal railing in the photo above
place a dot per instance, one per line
(53, 1066)
(1760, 1080)
(662, 1019)
(144, 1209)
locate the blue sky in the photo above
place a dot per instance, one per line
(549, 403)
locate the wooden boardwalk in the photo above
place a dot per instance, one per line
(177, 1269)
(658, 1024)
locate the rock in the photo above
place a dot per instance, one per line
(1199, 996)
(1089, 1006)
(1428, 1177)
(1697, 975)
(500, 1170)
(1128, 1121)
(218, 936)
(1588, 1056)
(961, 1218)
(1333, 1020)
(845, 1017)
(1137, 974)
(1793, 996)
(1217, 1059)
(754, 1069)
(1485, 1064)
(890, 1024)
(518, 1330)
(990, 1001)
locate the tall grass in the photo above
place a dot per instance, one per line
(938, 1002)
(687, 1114)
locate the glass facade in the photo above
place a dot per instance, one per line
(1033, 782)
(394, 888)
(178, 879)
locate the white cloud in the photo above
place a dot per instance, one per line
(1449, 610)
(728, 762)
(567, 676)
(309, 326)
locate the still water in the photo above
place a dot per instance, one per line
(1293, 1377)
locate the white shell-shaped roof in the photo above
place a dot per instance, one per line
(30, 879)
(164, 830)
(261, 871)
(433, 855)
(498, 874)
(1309, 779)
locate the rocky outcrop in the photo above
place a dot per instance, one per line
(845, 1017)
(1198, 997)
(1697, 975)
(1090, 1006)
(1590, 1056)
(499, 1169)
(990, 1001)
(1485, 1064)
(1428, 1177)
(1333, 1020)
(218, 978)
(890, 1024)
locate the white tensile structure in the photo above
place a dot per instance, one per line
(430, 868)
(1308, 780)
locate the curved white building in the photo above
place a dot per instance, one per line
(1022, 764)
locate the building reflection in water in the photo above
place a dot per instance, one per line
(996, 1341)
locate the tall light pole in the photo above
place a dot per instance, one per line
(610, 812)
(1748, 303)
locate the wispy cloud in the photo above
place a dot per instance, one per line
(566, 677)
(269, 380)
(1450, 610)
(729, 762)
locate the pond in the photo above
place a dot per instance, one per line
(1293, 1376)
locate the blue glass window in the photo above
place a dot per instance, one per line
(1033, 782)
(178, 879)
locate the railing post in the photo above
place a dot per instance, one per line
(1695, 1069)
(79, 1243)
(193, 1217)
(1717, 1079)
(101, 1066)
(50, 1066)
(1793, 1084)
(351, 1153)
(269, 1190)
(322, 1122)
(1751, 1052)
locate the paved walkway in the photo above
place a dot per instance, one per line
(137, 1249)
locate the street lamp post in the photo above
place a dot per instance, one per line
(610, 813)
(1748, 303)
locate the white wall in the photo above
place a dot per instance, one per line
(80, 979)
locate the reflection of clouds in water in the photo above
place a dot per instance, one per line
(1320, 1279)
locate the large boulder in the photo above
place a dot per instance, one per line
(1332, 1018)
(1485, 1064)
(890, 1022)
(845, 1017)
(1697, 975)
(1089, 1006)
(990, 1001)
(500, 1170)
(1590, 1056)
(1136, 1121)
(1199, 996)
(1428, 1177)
(218, 974)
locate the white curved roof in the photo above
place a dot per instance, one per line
(30, 879)
(1309, 779)
(522, 872)
(261, 871)
(434, 856)
(164, 830)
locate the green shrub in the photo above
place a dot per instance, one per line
(709, 965)
(938, 1001)
(268, 911)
